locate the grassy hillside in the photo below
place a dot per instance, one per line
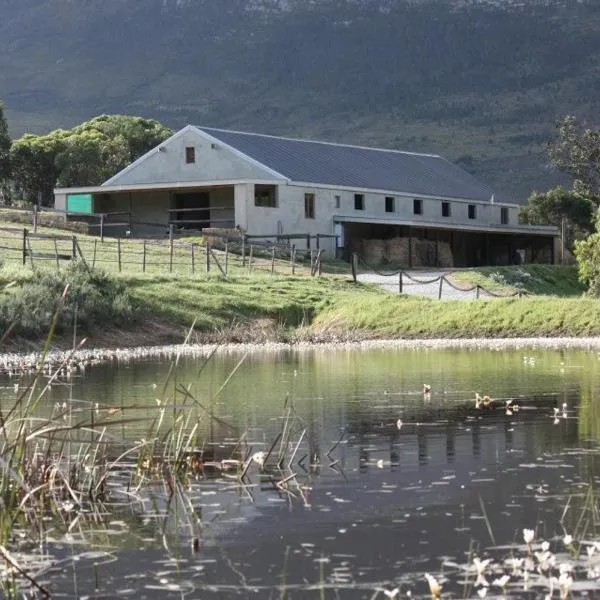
(480, 84)
(551, 280)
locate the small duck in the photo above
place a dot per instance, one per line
(484, 401)
(426, 389)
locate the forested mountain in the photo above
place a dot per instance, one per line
(478, 81)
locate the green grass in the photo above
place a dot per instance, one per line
(550, 280)
(408, 317)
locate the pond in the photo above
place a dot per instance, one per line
(330, 474)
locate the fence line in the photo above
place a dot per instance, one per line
(158, 256)
(401, 274)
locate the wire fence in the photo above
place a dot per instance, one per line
(154, 256)
(439, 286)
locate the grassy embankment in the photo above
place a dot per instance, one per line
(258, 306)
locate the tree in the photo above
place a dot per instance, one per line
(88, 154)
(556, 205)
(576, 152)
(5, 144)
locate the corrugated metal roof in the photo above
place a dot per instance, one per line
(355, 166)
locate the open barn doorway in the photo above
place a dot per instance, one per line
(192, 210)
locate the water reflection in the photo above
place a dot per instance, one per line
(363, 503)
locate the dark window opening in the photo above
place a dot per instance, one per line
(190, 155)
(359, 202)
(472, 211)
(445, 209)
(265, 195)
(418, 206)
(389, 204)
(504, 215)
(338, 201)
(309, 206)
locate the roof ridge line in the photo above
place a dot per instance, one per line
(311, 141)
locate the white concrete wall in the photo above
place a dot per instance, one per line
(374, 206)
(60, 201)
(214, 162)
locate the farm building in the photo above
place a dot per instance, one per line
(387, 205)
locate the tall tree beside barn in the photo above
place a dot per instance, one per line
(87, 154)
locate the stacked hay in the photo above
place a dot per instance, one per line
(445, 257)
(423, 253)
(374, 251)
(218, 235)
(397, 251)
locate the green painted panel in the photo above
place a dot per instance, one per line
(80, 203)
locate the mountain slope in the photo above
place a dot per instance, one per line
(479, 82)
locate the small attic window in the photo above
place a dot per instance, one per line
(190, 155)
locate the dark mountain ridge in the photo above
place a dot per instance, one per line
(480, 82)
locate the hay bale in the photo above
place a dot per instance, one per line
(397, 250)
(445, 257)
(374, 251)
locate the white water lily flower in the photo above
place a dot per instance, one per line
(482, 592)
(514, 563)
(259, 458)
(501, 581)
(565, 581)
(545, 546)
(391, 593)
(399, 423)
(481, 565)
(434, 586)
(590, 550)
(568, 540)
(565, 568)
(528, 535)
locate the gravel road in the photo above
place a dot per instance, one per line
(431, 290)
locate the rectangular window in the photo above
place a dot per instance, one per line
(418, 206)
(309, 206)
(389, 204)
(359, 202)
(265, 196)
(338, 201)
(504, 215)
(190, 155)
(445, 209)
(472, 211)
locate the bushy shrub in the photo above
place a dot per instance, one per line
(98, 299)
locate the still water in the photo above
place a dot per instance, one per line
(379, 482)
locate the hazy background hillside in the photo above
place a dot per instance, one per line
(480, 82)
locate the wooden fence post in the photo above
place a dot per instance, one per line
(144, 257)
(171, 251)
(353, 263)
(94, 257)
(273, 260)
(207, 248)
(250, 257)
(400, 282)
(56, 254)
(243, 250)
(440, 290)
(35, 218)
(102, 227)
(73, 248)
(193, 260)
(24, 245)
(477, 291)
(293, 258)
(119, 253)
(226, 257)
(320, 265)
